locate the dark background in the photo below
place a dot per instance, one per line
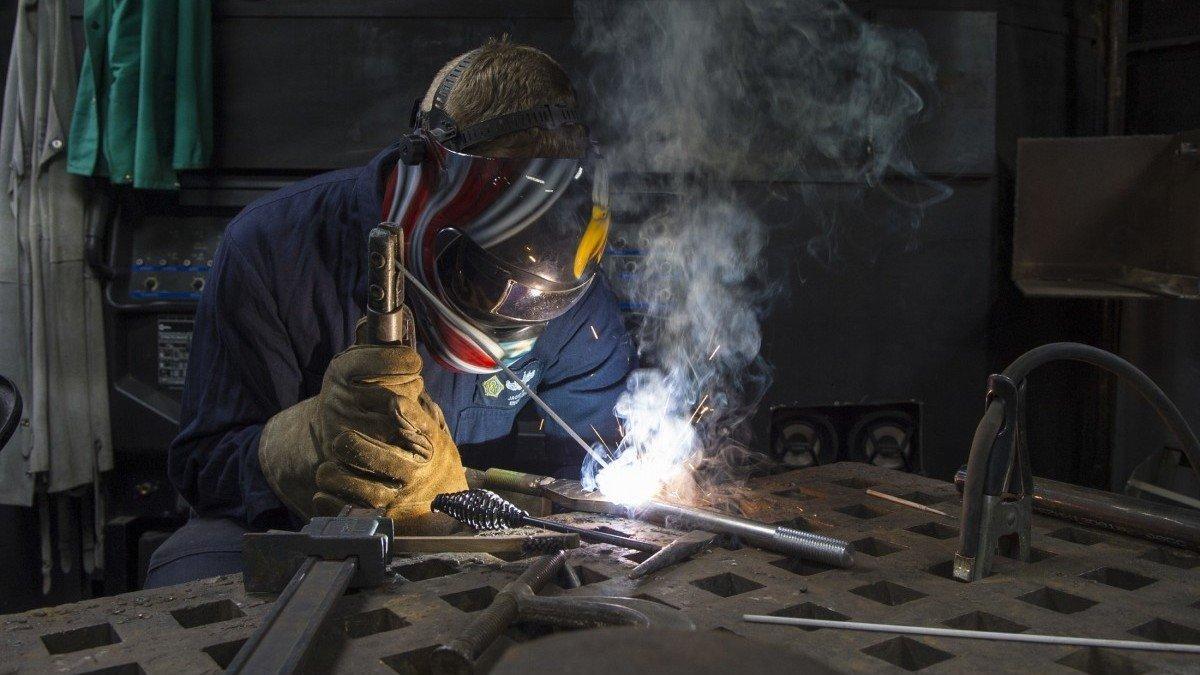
(303, 86)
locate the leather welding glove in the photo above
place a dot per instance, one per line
(372, 437)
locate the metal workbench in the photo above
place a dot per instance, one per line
(1083, 582)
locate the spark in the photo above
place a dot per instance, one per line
(535, 179)
(620, 427)
(607, 449)
(532, 259)
(714, 353)
(542, 424)
(594, 333)
(697, 410)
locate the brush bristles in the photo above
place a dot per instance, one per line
(480, 509)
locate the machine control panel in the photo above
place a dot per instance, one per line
(170, 258)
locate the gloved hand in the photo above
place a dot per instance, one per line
(372, 437)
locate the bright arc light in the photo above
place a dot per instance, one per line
(659, 440)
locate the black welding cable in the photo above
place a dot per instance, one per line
(1141, 383)
(994, 416)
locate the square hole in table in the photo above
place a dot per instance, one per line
(726, 584)
(876, 548)
(935, 530)
(123, 669)
(799, 494)
(411, 662)
(1056, 600)
(651, 598)
(797, 523)
(1165, 556)
(1102, 662)
(427, 569)
(588, 575)
(222, 653)
(802, 567)
(1119, 578)
(1010, 548)
(888, 593)
(1077, 535)
(77, 639)
(471, 600)
(1161, 630)
(984, 621)
(375, 621)
(925, 498)
(861, 511)
(907, 653)
(638, 557)
(209, 612)
(809, 610)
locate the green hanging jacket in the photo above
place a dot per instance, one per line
(143, 109)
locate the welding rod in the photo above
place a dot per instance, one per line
(512, 376)
(975, 634)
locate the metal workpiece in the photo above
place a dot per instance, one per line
(288, 635)
(779, 538)
(519, 600)
(1079, 581)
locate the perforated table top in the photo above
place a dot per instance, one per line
(1082, 582)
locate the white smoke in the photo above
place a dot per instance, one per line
(703, 95)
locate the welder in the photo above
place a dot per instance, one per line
(503, 201)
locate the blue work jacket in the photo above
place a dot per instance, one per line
(288, 285)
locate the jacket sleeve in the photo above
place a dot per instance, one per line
(584, 382)
(241, 371)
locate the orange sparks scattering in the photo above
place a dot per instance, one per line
(542, 424)
(714, 353)
(594, 333)
(699, 407)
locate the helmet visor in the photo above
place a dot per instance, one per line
(546, 217)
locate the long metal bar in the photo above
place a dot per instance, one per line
(1155, 522)
(976, 634)
(287, 633)
(779, 538)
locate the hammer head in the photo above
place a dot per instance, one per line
(677, 551)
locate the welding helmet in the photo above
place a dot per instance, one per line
(495, 247)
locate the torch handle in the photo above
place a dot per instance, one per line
(386, 319)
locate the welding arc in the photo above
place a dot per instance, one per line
(486, 510)
(512, 376)
(975, 634)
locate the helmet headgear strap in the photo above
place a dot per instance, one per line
(442, 126)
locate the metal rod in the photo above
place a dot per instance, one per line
(1164, 493)
(287, 633)
(976, 634)
(786, 540)
(904, 502)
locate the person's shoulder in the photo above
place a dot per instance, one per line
(271, 216)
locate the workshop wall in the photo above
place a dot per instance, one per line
(304, 86)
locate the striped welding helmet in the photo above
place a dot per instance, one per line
(496, 247)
